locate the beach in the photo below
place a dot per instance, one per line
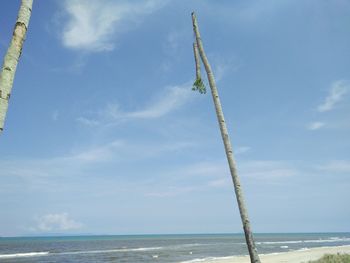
(298, 256)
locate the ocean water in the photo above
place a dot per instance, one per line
(155, 248)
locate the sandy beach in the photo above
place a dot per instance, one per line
(290, 257)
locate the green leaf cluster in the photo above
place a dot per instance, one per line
(338, 258)
(199, 85)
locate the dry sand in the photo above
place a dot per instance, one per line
(290, 257)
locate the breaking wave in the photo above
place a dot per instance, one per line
(24, 255)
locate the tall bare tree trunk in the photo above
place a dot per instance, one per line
(12, 56)
(254, 257)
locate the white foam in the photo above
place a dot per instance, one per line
(29, 254)
(112, 250)
(303, 249)
(207, 259)
(142, 249)
(330, 240)
(279, 242)
(187, 245)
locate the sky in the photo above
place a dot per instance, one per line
(105, 136)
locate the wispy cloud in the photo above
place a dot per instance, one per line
(172, 42)
(208, 176)
(173, 45)
(88, 122)
(220, 182)
(93, 25)
(56, 222)
(253, 169)
(242, 149)
(315, 125)
(172, 191)
(336, 166)
(169, 100)
(267, 169)
(336, 93)
(79, 163)
(99, 153)
(173, 99)
(224, 66)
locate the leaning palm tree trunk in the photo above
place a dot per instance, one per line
(12, 56)
(254, 257)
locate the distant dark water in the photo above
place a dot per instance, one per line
(154, 248)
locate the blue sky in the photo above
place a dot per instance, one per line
(104, 134)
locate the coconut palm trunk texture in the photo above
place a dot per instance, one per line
(12, 56)
(254, 257)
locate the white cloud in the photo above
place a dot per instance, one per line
(172, 45)
(56, 222)
(337, 92)
(36, 173)
(173, 41)
(315, 125)
(220, 71)
(220, 182)
(336, 166)
(180, 181)
(242, 149)
(173, 99)
(204, 169)
(119, 150)
(172, 191)
(93, 24)
(169, 100)
(87, 122)
(266, 169)
(252, 169)
(224, 66)
(208, 176)
(99, 153)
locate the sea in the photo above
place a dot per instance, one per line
(155, 248)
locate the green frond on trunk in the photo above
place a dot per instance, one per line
(199, 85)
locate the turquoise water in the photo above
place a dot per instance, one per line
(155, 248)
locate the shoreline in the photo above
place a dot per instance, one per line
(295, 256)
